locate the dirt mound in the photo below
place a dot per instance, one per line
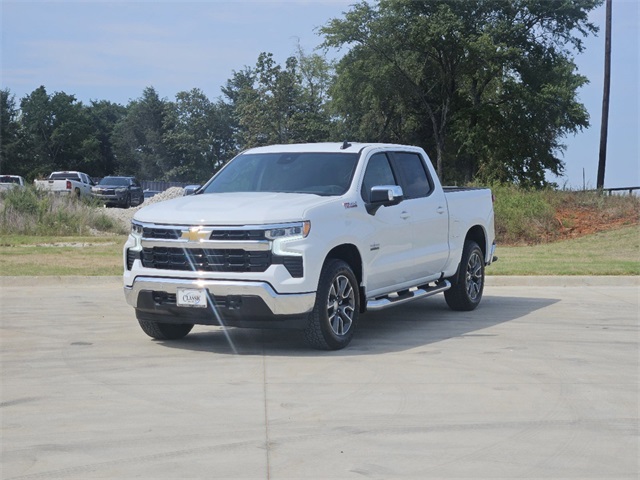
(125, 215)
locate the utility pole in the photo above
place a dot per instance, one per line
(604, 126)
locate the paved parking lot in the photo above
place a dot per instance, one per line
(540, 382)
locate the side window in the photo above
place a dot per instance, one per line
(378, 173)
(416, 182)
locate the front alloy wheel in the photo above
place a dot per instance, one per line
(341, 305)
(333, 320)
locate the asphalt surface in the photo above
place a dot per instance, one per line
(541, 381)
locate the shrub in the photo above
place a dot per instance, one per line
(29, 211)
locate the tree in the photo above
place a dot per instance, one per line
(272, 103)
(198, 135)
(465, 80)
(56, 134)
(138, 138)
(9, 126)
(104, 116)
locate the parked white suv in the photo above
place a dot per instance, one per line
(308, 236)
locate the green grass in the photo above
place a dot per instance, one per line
(46, 256)
(616, 252)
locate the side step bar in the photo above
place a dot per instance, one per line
(393, 299)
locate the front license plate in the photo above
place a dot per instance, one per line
(191, 297)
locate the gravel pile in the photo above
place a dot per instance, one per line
(125, 215)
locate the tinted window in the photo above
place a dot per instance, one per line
(378, 173)
(115, 181)
(317, 173)
(416, 182)
(64, 176)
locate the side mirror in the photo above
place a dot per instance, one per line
(384, 196)
(191, 189)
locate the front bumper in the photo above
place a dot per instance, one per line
(236, 301)
(111, 199)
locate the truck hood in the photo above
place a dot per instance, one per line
(231, 209)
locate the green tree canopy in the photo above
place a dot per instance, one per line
(487, 87)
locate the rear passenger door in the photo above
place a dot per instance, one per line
(426, 207)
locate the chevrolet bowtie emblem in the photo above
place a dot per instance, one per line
(195, 234)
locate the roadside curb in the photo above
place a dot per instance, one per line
(491, 281)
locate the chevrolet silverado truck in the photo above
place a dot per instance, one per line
(73, 183)
(308, 236)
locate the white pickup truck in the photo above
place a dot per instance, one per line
(73, 183)
(9, 182)
(308, 236)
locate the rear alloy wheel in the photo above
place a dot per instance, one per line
(468, 284)
(334, 317)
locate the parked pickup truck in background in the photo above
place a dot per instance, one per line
(8, 182)
(120, 191)
(308, 236)
(67, 183)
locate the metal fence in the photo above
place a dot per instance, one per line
(611, 191)
(161, 186)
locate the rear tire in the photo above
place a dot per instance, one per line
(334, 318)
(468, 284)
(165, 331)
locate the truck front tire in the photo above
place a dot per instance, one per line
(165, 331)
(468, 284)
(333, 320)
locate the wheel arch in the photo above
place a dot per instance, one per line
(478, 235)
(350, 254)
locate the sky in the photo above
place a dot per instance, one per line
(99, 50)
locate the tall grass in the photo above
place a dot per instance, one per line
(29, 211)
(529, 217)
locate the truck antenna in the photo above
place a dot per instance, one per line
(345, 145)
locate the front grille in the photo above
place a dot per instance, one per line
(162, 233)
(238, 235)
(220, 235)
(132, 256)
(207, 260)
(293, 266)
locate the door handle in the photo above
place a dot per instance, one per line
(440, 210)
(404, 215)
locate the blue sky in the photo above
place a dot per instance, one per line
(113, 50)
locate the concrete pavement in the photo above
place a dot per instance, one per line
(540, 382)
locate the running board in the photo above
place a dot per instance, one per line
(393, 299)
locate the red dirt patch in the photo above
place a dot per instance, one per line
(577, 222)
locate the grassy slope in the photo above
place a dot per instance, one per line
(615, 252)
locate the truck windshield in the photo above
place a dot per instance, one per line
(316, 173)
(115, 181)
(9, 180)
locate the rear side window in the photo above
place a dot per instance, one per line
(378, 173)
(416, 182)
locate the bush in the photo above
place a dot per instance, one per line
(29, 211)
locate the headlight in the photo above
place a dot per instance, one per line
(299, 229)
(136, 229)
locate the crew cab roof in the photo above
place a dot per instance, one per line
(337, 147)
